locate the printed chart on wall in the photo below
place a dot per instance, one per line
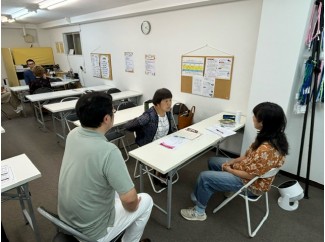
(129, 64)
(101, 65)
(150, 65)
(208, 76)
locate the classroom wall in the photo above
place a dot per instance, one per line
(231, 28)
(277, 77)
(234, 28)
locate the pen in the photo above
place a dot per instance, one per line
(179, 136)
(219, 131)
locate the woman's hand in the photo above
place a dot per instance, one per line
(225, 166)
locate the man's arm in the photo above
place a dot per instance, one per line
(130, 200)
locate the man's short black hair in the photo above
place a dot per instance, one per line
(30, 60)
(91, 108)
(161, 94)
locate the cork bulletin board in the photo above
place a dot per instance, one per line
(208, 76)
(101, 65)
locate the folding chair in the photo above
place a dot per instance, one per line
(111, 91)
(243, 192)
(62, 117)
(116, 134)
(65, 233)
(70, 119)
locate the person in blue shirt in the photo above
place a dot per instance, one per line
(28, 74)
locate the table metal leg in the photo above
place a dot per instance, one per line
(169, 198)
(141, 176)
(39, 114)
(23, 193)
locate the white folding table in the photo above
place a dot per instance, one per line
(62, 107)
(42, 97)
(22, 171)
(169, 161)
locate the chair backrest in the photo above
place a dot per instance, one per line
(125, 105)
(70, 118)
(54, 218)
(43, 90)
(68, 99)
(113, 90)
(271, 173)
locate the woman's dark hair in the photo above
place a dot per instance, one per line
(161, 94)
(273, 125)
(91, 108)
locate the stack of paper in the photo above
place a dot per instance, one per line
(173, 141)
(223, 132)
(188, 133)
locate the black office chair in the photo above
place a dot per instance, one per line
(65, 233)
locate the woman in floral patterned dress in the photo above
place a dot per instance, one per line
(266, 152)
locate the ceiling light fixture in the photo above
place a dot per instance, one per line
(50, 3)
(58, 5)
(19, 13)
(28, 14)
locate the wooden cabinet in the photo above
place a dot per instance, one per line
(18, 56)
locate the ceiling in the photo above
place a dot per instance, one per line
(83, 11)
(75, 8)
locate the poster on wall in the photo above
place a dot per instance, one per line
(192, 66)
(129, 65)
(203, 86)
(59, 47)
(219, 68)
(104, 66)
(95, 65)
(101, 65)
(150, 65)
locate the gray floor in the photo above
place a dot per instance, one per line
(23, 135)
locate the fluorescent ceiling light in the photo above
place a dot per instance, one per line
(58, 5)
(28, 14)
(48, 3)
(19, 13)
(11, 20)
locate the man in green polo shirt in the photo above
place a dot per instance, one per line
(96, 194)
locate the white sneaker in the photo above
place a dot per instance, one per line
(19, 109)
(193, 215)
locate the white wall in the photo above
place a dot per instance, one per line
(265, 68)
(278, 60)
(231, 28)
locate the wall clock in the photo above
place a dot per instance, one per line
(145, 27)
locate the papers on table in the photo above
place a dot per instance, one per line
(180, 137)
(188, 133)
(6, 174)
(173, 141)
(223, 132)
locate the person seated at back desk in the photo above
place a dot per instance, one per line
(28, 74)
(40, 80)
